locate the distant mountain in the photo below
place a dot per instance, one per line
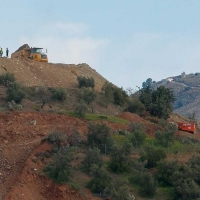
(186, 88)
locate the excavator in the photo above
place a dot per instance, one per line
(33, 53)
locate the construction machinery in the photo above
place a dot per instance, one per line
(186, 127)
(33, 53)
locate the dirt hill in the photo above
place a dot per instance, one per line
(31, 73)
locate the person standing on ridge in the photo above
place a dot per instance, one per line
(1, 52)
(7, 51)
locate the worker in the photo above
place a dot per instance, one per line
(7, 52)
(1, 52)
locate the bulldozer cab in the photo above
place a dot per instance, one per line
(38, 50)
(38, 54)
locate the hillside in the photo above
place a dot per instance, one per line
(31, 73)
(25, 150)
(186, 88)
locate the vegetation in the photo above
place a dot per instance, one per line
(15, 93)
(7, 79)
(114, 94)
(158, 102)
(85, 82)
(58, 94)
(165, 135)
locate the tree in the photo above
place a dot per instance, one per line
(162, 100)
(59, 94)
(98, 136)
(7, 79)
(92, 157)
(158, 102)
(152, 155)
(57, 137)
(100, 181)
(145, 96)
(85, 82)
(134, 105)
(81, 109)
(165, 135)
(137, 135)
(14, 92)
(44, 94)
(120, 161)
(60, 168)
(118, 190)
(86, 95)
(148, 185)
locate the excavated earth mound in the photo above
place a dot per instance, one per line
(32, 73)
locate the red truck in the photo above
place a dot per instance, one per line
(186, 127)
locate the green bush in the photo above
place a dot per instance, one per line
(100, 181)
(165, 135)
(60, 168)
(188, 189)
(120, 162)
(7, 79)
(135, 106)
(137, 135)
(93, 156)
(14, 92)
(98, 136)
(118, 190)
(148, 185)
(152, 155)
(59, 94)
(165, 171)
(85, 82)
(87, 95)
(81, 109)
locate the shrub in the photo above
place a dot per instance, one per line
(148, 185)
(165, 171)
(135, 106)
(152, 155)
(59, 94)
(137, 135)
(165, 135)
(81, 109)
(100, 181)
(188, 189)
(92, 157)
(14, 92)
(60, 168)
(85, 82)
(119, 96)
(7, 79)
(88, 96)
(98, 136)
(118, 190)
(120, 162)
(56, 137)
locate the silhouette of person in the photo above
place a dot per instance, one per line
(7, 52)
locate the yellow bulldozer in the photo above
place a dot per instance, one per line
(33, 53)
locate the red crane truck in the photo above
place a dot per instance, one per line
(182, 126)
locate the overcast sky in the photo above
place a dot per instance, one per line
(125, 41)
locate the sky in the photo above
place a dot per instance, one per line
(126, 41)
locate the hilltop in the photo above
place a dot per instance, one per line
(31, 73)
(186, 88)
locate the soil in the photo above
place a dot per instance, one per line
(21, 132)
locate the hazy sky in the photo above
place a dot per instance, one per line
(125, 41)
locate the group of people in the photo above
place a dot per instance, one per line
(1, 52)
